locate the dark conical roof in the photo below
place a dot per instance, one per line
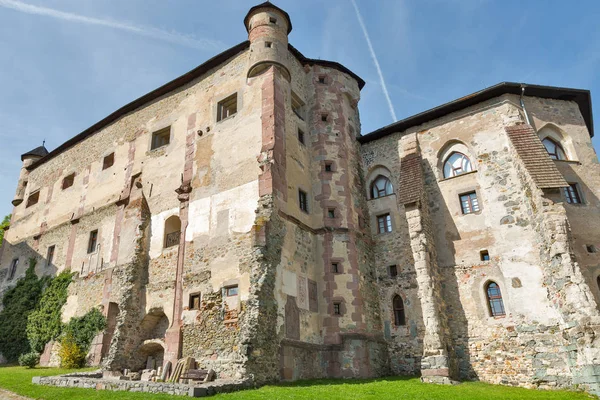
(37, 152)
(268, 4)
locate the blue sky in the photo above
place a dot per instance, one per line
(66, 64)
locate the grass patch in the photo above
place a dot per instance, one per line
(18, 380)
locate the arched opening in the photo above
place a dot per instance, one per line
(399, 315)
(456, 164)
(494, 298)
(381, 187)
(172, 231)
(555, 150)
(152, 353)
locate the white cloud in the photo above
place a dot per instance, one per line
(172, 36)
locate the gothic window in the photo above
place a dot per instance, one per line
(554, 149)
(494, 298)
(381, 187)
(469, 203)
(172, 231)
(399, 316)
(572, 194)
(456, 164)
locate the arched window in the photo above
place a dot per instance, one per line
(554, 149)
(172, 231)
(399, 316)
(381, 187)
(494, 298)
(456, 164)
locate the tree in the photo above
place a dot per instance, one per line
(3, 226)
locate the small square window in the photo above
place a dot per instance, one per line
(384, 223)
(302, 200)
(68, 181)
(161, 138)
(484, 255)
(331, 213)
(324, 117)
(301, 136)
(273, 20)
(335, 268)
(33, 199)
(469, 203)
(195, 301)
(573, 194)
(108, 161)
(50, 255)
(93, 241)
(322, 79)
(269, 44)
(328, 167)
(227, 107)
(393, 271)
(591, 248)
(337, 308)
(231, 291)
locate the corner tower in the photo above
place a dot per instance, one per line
(268, 28)
(28, 159)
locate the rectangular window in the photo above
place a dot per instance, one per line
(324, 117)
(337, 308)
(93, 241)
(161, 138)
(590, 248)
(13, 268)
(269, 44)
(302, 200)
(297, 106)
(322, 79)
(335, 268)
(328, 167)
(50, 255)
(301, 136)
(469, 203)
(231, 291)
(572, 194)
(68, 181)
(109, 160)
(273, 20)
(33, 199)
(227, 107)
(384, 223)
(195, 301)
(331, 213)
(485, 255)
(393, 271)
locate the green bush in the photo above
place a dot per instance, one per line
(84, 329)
(71, 355)
(29, 360)
(4, 226)
(18, 303)
(44, 324)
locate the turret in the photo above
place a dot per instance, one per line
(268, 27)
(27, 158)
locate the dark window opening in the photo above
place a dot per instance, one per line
(301, 136)
(331, 213)
(195, 301)
(227, 107)
(273, 20)
(161, 138)
(572, 194)
(269, 44)
(335, 268)
(50, 255)
(399, 316)
(591, 248)
(495, 302)
(231, 291)
(33, 199)
(297, 106)
(485, 255)
(393, 271)
(108, 161)
(469, 203)
(13, 268)
(328, 167)
(322, 79)
(324, 117)
(337, 308)
(384, 223)
(598, 282)
(93, 241)
(303, 200)
(68, 181)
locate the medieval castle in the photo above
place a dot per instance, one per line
(237, 215)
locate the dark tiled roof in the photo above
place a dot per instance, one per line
(38, 151)
(268, 4)
(412, 183)
(581, 97)
(530, 149)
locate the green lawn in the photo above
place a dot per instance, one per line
(18, 380)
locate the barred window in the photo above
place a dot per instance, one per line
(494, 297)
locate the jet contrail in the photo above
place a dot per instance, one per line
(374, 57)
(173, 37)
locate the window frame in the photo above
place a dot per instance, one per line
(573, 193)
(454, 170)
(230, 289)
(92, 242)
(557, 146)
(335, 268)
(165, 132)
(33, 198)
(303, 201)
(470, 201)
(68, 181)
(337, 308)
(399, 311)
(376, 191)
(50, 255)
(111, 161)
(387, 227)
(224, 107)
(192, 296)
(494, 299)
